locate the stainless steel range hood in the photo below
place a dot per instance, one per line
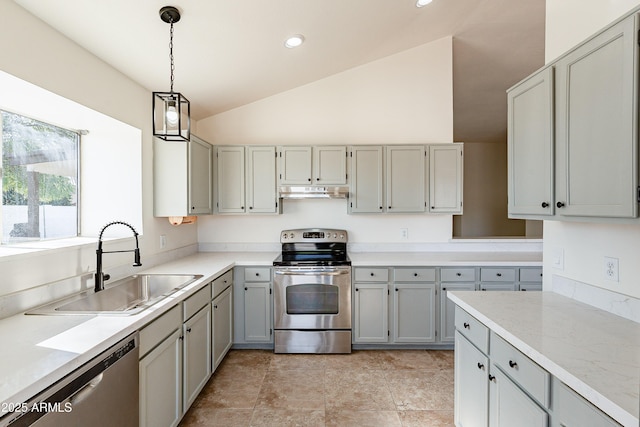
(293, 192)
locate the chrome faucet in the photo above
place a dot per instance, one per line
(100, 277)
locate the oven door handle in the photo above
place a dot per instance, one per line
(311, 272)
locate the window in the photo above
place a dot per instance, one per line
(39, 180)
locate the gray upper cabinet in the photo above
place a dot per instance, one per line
(596, 129)
(330, 165)
(261, 180)
(182, 177)
(366, 179)
(295, 165)
(405, 178)
(445, 178)
(530, 146)
(246, 179)
(586, 103)
(321, 165)
(230, 179)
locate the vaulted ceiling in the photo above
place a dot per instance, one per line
(229, 53)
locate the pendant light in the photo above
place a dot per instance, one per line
(171, 110)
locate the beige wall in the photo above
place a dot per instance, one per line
(36, 53)
(585, 245)
(485, 193)
(403, 98)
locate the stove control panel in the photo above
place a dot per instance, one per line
(313, 235)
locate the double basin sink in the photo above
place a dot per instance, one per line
(127, 296)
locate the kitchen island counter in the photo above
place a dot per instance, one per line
(594, 352)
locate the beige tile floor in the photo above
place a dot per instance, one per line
(364, 388)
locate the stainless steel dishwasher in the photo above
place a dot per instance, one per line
(103, 392)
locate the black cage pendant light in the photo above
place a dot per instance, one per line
(171, 110)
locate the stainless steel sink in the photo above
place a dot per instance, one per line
(126, 296)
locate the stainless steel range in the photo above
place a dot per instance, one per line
(312, 292)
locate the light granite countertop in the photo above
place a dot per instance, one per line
(43, 349)
(592, 351)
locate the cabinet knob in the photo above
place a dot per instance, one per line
(545, 205)
(317, 179)
(189, 330)
(181, 337)
(513, 364)
(257, 274)
(380, 207)
(480, 365)
(499, 274)
(415, 274)
(466, 325)
(560, 205)
(250, 207)
(193, 208)
(309, 179)
(396, 289)
(372, 274)
(241, 207)
(246, 289)
(215, 306)
(444, 289)
(389, 207)
(458, 274)
(357, 289)
(492, 378)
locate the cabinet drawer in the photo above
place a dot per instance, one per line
(371, 274)
(570, 409)
(457, 274)
(222, 283)
(257, 274)
(473, 329)
(532, 287)
(414, 275)
(531, 274)
(195, 302)
(521, 369)
(155, 332)
(498, 274)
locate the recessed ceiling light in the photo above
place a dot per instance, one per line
(421, 3)
(294, 41)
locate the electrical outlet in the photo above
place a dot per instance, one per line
(404, 233)
(163, 241)
(611, 271)
(557, 258)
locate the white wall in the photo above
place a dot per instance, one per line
(585, 245)
(406, 98)
(40, 55)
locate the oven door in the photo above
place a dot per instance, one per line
(312, 298)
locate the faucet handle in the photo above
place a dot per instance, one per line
(136, 258)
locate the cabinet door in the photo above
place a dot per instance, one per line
(197, 354)
(448, 309)
(471, 408)
(170, 172)
(222, 325)
(200, 177)
(414, 312)
(445, 178)
(405, 179)
(230, 167)
(570, 409)
(371, 307)
(261, 180)
(530, 146)
(510, 406)
(366, 179)
(295, 165)
(596, 99)
(330, 165)
(257, 312)
(161, 383)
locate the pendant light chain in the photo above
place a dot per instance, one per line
(171, 53)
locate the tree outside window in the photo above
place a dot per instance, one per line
(39, 180)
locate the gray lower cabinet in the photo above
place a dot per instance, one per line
(569, 409)
(161, 383)
(253, 302)
(414, 305)
(222, 317)
(471, 389)
(196, 330)
(448, 309)
(510, 406)
(371, 312)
